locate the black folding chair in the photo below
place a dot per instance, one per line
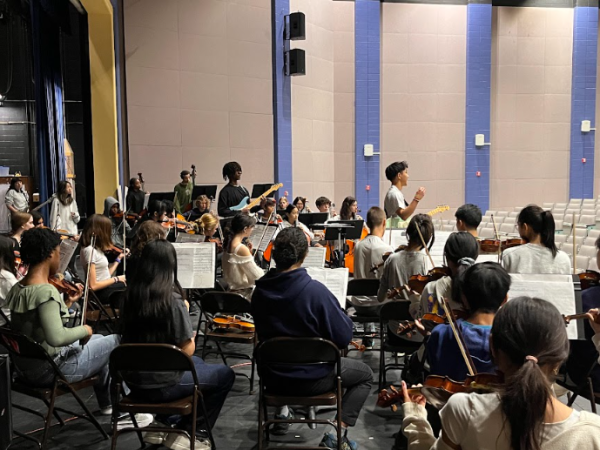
(363, 314)
(20, 348)
(288, 351)
(153, 358)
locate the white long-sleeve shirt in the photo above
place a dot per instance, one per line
(60, 216)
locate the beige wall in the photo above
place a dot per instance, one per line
(531, 105)
(312, 104)
(199, 89)
(423, 98)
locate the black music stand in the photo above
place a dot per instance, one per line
(260, 189)
(281, 212)
(210, 190)
(578, 306)
(161, 196)
(314, 221)
(340, 230)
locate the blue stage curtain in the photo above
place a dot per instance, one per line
(50, 130)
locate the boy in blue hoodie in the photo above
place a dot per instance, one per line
(287, 302)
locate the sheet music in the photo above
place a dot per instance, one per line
(336, 280)
(196, 265)
(183, 238)
(315, 257)
(557, 289)
(146, 200)
(257, 234)
(269, 234)
(67, 249)
(398, 237)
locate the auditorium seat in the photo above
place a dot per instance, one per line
(593, 264)
(587, 250)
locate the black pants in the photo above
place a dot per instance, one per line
(357, 379)
(104, 294)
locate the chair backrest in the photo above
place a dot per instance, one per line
(588, 219)
(487, 233)
(396, 310)
(149, 358)
(587, 250)
(560, 238)
(225, 302)
(297, 351)
(363, 287)
(501, 213)
(568, 248)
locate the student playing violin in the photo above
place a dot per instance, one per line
(468, 218)
(19, 223)
(460, 252)
(369, 252)
(395, 205)
(64, 213)
(409, 261)
(290, 219)
(268, 210)
(529, 343)
(38, 219)
(112, 210)
(539, 254)
(201, 207)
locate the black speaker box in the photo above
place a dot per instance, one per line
(297, 61)
(297, 26)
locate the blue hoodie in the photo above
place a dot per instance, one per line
(293, 304)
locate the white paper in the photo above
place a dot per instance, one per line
(336, 280)
(315, 257)
(67, 248)
(257, 239)
(196, 265)
(557, 289)
(183, 238)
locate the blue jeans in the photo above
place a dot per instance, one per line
(215, 382)
(78, 363)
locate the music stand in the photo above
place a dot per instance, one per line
(314, 220)
(340, 230)
(260, 189)
(210, 190)
(161, 196)
(281, 212)
(578, 306)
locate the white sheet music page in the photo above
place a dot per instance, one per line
(185, 238)
(196, 265)
(67, 248)
(268, 237)
(315, 257)
(336, 280)
(398, 237)
(557, 289)
(256, 234)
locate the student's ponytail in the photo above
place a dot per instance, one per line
(542, 223)
(537, 352)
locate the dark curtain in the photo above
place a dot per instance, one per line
(49, 100)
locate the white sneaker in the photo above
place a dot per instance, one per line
(106, 411)
(155, 437)
(177, 441)
(143, 420)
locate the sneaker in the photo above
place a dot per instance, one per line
(155, 437)
(106, 411)
(279, 429)
(177, 441)
(330, 441)
(368, 343)
(143, 420)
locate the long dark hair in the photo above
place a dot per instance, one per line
(462, 249)
(288, 211)
(100, 226)
(238, 223)
(13, 182)
(146, 311)
(425, 224)
(63, 197)
(7, 255)
(525, 330)
(542, 223)
(345, 213)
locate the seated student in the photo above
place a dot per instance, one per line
(112, 208)
(528, 343)
(324, 205)
(539, 254)
(8, 274)
(239, 269)
(102, 279)
(409, 261)
(300, 203)
(284, 296)
(369, 252)
(482, 288)
(583, 352)
(282, 203)
(38, 311)
(155, 311)
(38, 219)
(156, 213)
(468, 218)
(460, 252)
(290, 219)
(268, 210)
(201, 207)
(148, 231)
(19, 223)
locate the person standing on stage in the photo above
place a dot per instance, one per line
(395, 205)
(17, 198)
(64, 213)
(233, 192)
(136, 197)
(183, 192)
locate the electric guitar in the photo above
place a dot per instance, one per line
(244, 203)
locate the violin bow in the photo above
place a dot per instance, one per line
(86, 289)
(498, 239)
(459, 338)
(425, 246)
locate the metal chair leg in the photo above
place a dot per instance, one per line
(48, 418)
(208, 427)
(592, 397)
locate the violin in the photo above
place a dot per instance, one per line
(20, 267)
(222, 321)
(429, 321)
(218, 242)
(417, 282)
(385, 257)
(588, 279)
(498, 245)
(180, 223)
(63, 286)
(438, 390)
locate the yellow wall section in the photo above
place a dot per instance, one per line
(104, 99)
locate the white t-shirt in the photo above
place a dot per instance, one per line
(399, 268)
(368, 253)
(394, 199)
(533, 258)
(100, 261)
(7, 281)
